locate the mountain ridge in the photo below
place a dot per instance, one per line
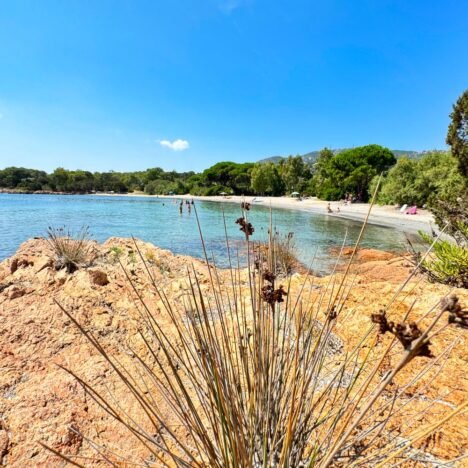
(311, 157)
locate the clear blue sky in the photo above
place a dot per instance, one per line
(99, 84)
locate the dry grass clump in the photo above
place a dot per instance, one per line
(248, 377)
(71, 249)
(286, 261)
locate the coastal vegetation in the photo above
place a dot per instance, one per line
(420, 181)
(448, 200)
(451, 206)
(227, 177)
(349, 172)
(333, 176)
(448, 260)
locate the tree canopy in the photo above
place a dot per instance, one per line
(266, 179)
(294, 173)
(418, 182)
(333, 176)
(457, 136)
(350, 172)
(451, 207)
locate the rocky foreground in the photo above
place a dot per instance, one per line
(40, 402)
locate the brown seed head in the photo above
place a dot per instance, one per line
(271, 295)
(269, 276)
(406, 333)
(245, 227)
(381, 319)
(456, 314)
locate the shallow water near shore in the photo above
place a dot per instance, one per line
(158, 221)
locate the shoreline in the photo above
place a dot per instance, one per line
(381, 215)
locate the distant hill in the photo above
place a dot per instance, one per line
(273, 159)
(311, 157)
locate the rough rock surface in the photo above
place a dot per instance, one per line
(40, 402)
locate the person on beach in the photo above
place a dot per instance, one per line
(329, 210)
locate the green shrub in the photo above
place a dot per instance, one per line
(116, 253)
(448, 262)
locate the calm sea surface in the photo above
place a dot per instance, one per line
(158, 221)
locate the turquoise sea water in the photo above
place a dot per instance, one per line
(158, 221)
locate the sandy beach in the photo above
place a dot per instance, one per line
(387, 216)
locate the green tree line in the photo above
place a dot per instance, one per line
(352, 172)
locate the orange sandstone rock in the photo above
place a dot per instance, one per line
(40, 402)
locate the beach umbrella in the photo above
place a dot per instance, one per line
(223, 193)
(295, 194)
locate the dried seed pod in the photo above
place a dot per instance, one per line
(381, 319)
(271, 295)
(269, 276)
(456, 313)
(245, 227)
(406, 333)
(332, 313)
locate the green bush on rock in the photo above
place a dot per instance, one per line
(448, 262)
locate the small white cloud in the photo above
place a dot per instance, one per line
(176, 145)
(228, 6)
